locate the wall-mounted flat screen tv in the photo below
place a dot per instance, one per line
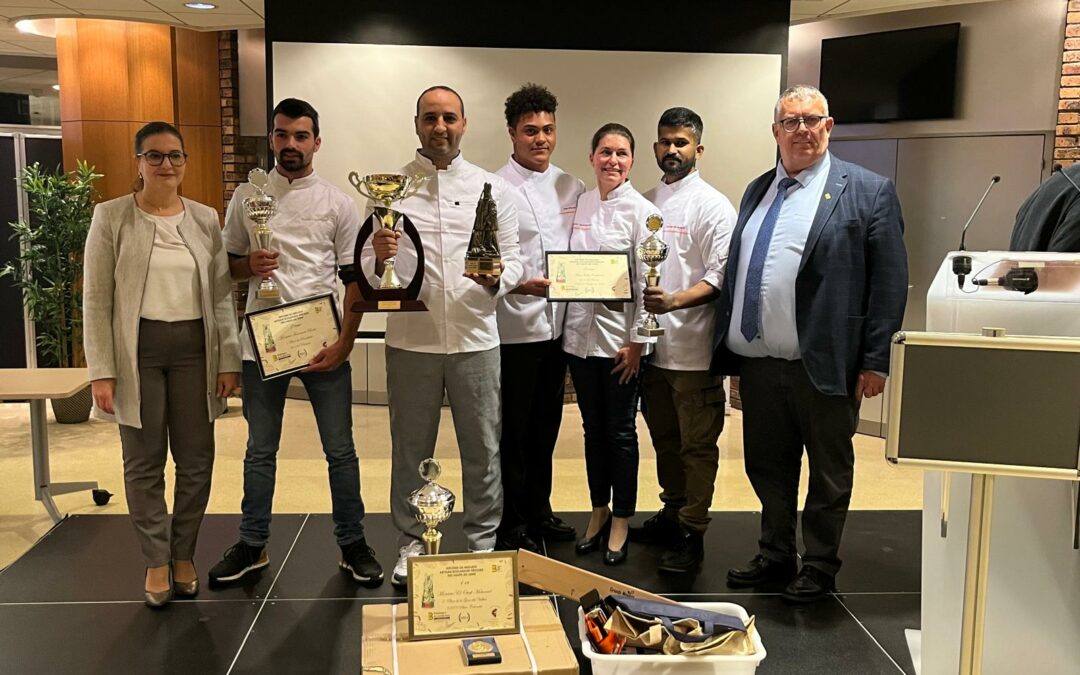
(896, 75)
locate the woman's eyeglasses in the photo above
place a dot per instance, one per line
(155, 158)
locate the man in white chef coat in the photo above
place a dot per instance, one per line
(530, 327)
(453, 347)
(682, 403)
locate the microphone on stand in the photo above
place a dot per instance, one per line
(1057, 169)
(961, 264)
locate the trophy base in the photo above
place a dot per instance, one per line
(268, 294)
(650, 332)
(389, 300)
(491, 266)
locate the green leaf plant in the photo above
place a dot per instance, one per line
(49, 267)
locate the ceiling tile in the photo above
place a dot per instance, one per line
(27, 5)
(106, 5)
(174, 6)
(214, 20)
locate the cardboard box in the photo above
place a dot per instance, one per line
(572, 582)
(384, 634)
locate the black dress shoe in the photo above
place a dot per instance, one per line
(662, 528)
(811, 585)
(512, 541)
(687, 554)
(617, 557)
(761, 570)
(553, 529)
(593, 543)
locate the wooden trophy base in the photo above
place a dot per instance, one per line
(389, 300)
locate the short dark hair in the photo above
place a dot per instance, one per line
(612, 128)
(294, 109)
(531, 98)
(682, 117)
(153, 129)
(443, 87)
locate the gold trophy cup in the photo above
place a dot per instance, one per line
(384, 189)
(652, 251)
(260, 207)
(431, 505)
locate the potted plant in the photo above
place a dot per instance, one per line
(49, 270)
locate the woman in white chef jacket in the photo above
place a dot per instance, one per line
(603, 348)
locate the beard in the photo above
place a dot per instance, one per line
(292, 161)
(673, 165)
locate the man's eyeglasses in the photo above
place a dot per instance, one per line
(155, 158)
(791, 124)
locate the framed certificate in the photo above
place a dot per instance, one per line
(589, 276)
(285, 337)
(463, 594)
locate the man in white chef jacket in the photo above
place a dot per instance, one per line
(530, 327)
(682, 403)
(453, 347)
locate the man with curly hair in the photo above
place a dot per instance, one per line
(530, 328)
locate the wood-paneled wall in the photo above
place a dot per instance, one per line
(115, 76)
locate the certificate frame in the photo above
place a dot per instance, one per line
(501, 582)
(623, 258)
(263, 318)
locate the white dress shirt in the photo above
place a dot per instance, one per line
(546, 204)
(172, 290)
(315, 228)
(778, 334)
(698, 220)
(614, 224)
(460, 314)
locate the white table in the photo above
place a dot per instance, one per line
(35, 385)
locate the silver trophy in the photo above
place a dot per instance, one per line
(260, 207)
(432, 504)
(652, 251)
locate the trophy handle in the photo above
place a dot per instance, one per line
(354, 178)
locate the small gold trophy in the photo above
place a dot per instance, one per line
(260, 207)
(483, 255)
(652, 251)
(431, 504)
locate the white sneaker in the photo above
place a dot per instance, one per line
(400, 577)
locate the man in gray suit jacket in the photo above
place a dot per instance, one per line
(815, 287)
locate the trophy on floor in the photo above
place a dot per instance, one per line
(652, 251)
(483, 255)
(384, 189)
(432, 504)
(260, 207)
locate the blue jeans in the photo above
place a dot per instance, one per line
(264, 406)
(608, 415)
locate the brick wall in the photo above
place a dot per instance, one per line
(238, 153)
(1067, 138)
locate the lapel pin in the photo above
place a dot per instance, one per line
(828, 196)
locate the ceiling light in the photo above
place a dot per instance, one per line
(56, 87)
(24, 26)
(200, 5)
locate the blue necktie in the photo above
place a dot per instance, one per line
(751, 311)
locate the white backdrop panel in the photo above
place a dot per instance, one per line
(366, 96)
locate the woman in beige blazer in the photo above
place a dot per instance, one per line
(162, 348)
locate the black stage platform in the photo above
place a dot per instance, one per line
(73, 603)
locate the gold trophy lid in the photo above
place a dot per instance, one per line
(654, 222)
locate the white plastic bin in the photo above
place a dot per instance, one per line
(659, 664)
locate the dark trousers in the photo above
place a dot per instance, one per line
(172, 386)
(533, 382)
(782, 412)
(685, 414)
(608, 412)
(264, 408)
